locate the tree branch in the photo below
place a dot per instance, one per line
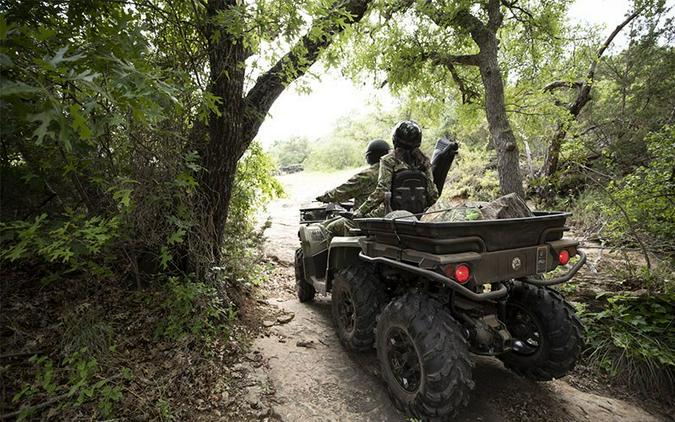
(295, 64)
(562, 84)
(449, 60)
(605, 45)
(495, 16)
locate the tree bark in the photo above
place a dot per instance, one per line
(220, 152)
(508, 167)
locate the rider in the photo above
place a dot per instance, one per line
(357, 187)
(407, 138)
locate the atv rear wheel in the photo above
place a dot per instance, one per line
(424, 358)
(305, 290)
(548, 329)
(357, 298)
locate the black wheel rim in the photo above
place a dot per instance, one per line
(346, 314)
(403, 360)
(523, 327)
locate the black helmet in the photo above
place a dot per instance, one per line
(407, 134)
(376, 149)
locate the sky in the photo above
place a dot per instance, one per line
(333, 96)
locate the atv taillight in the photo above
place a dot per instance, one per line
(564, 257)
(462, 273)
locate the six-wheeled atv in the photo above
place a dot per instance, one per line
(427, 294)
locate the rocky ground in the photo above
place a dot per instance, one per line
(301, 372)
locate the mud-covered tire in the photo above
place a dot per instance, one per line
(444, 381)
(305, 290)
(559, 339)
(357, 297)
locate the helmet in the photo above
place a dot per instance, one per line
(407, 135)
(376, 149)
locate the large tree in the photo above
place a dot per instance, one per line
(462, 40)
(234, 122)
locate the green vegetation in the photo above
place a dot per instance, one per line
(130, 177)
(631, 339)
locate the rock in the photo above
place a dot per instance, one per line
(268, 323)
(285, 318)
(306, 343)
(262, 413)
(225, 396)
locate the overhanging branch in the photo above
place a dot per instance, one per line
(296, 62)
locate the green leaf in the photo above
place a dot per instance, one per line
(79, 122)
(176, 237)
(164, 257)
(45, 118)
(123, 196)
(8, 88)
(59, 57)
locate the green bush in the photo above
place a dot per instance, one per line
(471, 177)
(632, 340)
(255, 185)
(193, 309)
(71, 383)
(336, 154)
(73, 240)
(291, 151)
(645, 198)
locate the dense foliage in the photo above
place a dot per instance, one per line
(130, 175)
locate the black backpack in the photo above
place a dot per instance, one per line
(408, 191)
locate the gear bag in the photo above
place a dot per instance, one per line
(408, 192)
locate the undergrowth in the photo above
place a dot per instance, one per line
(632, 340)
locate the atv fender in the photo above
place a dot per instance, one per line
(343, 252)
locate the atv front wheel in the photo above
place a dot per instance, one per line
(424, 358)
(548, 331)
(305, 290)
(357, 297)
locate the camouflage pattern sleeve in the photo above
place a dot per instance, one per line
(357, 187)
(383, 185)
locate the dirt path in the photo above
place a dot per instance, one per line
(314, 378)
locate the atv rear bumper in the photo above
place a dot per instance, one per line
(525, 264)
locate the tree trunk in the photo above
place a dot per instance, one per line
(234, 126)
(508, 167)
(553, 152)
(221, 152)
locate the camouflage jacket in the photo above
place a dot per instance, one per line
(357, 187)
(389, 165)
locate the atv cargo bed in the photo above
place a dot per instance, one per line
(467, 236)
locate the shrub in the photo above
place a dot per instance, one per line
(471, 177)
(193, 309)
(337, 154)
(637, 209)
(633, 341)
(291, 151)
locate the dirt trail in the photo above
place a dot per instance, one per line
(314, 378)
